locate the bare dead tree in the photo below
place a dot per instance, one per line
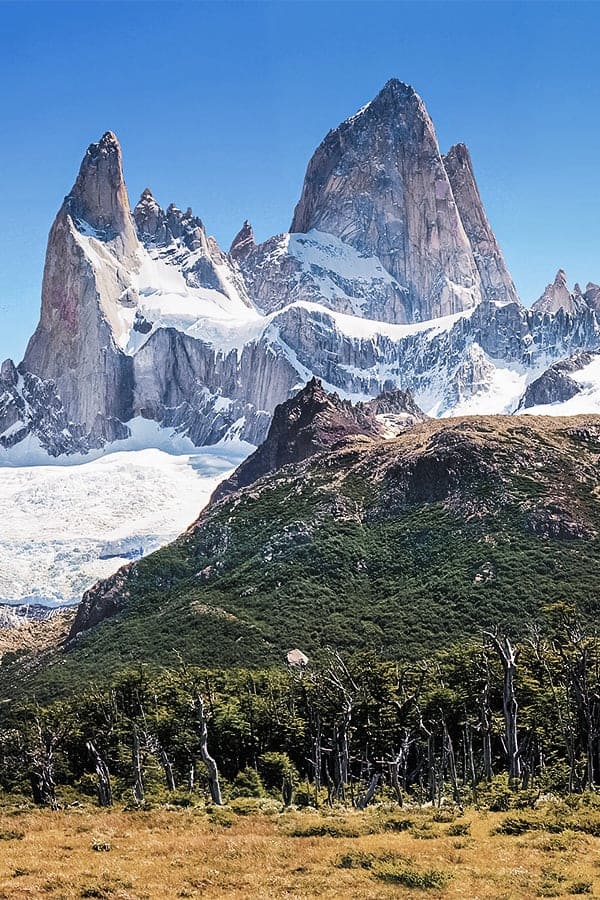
(365, 798)
(199, 711)
(40, 759)
(209, 762)
(469, 764)
(155, 747)
(485, 716)
(338, 676)
(450, 760)
(104, 787)
(287, 790)
(136, 764)
(508, 656)
(541, 650)
(579, 651)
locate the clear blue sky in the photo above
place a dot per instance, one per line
(219, 106)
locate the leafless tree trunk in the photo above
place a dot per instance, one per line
(364, 799)
(136, 762)
(470, 758)
(340, 678)
(209, 762)
(542, 650)
(41, 767)
(486, 724)
(451, 763)
(200, 713)
(104, 788)
(287, 790)
(508, 656)
(167, 768)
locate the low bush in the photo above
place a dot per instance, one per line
(411, 877)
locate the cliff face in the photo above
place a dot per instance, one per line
(496, 282)
(557, 297)
(379, 183)
(86, 287)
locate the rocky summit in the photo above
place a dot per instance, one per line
(390, 279)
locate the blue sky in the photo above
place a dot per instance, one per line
(219, 106)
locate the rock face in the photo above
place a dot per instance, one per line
(314, 421)
(378, 182)
(243, 243)
(144, 315)
(179, 239)
(32, 409)
(76, 343)
(496, 281)
(555, 385)
(557, 297)
(321, 268)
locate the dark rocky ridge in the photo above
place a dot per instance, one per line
(313, 422)
(555, 385)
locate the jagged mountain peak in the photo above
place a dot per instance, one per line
(560, 279)
(163, 324)
(557, 296)
(459, 151)
(496, 281)
(157, 227)
(243, 243)
(378, 183)
(98, 199)
(108, 141)
(8, 373)
(397, 96)
(394, 98)
(315, 420)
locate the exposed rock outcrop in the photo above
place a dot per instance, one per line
(378, 182)
(314, 421)
(86, 287)
(496, 281)
(243, 243)
(555, 385)
(557, 297)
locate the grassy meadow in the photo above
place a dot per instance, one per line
(253, 849)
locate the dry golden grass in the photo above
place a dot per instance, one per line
(182, 853)
(22, 633)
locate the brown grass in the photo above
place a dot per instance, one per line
(23, 633)
(183, 853)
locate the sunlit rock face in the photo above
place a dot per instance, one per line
(379, 183)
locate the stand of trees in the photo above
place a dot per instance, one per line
(336, 730)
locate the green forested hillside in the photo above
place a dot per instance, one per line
(399, 547)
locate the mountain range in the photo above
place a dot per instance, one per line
(390, 278)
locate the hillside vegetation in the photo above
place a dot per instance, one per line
(398, 546)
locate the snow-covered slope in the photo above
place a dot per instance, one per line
(66, 526)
